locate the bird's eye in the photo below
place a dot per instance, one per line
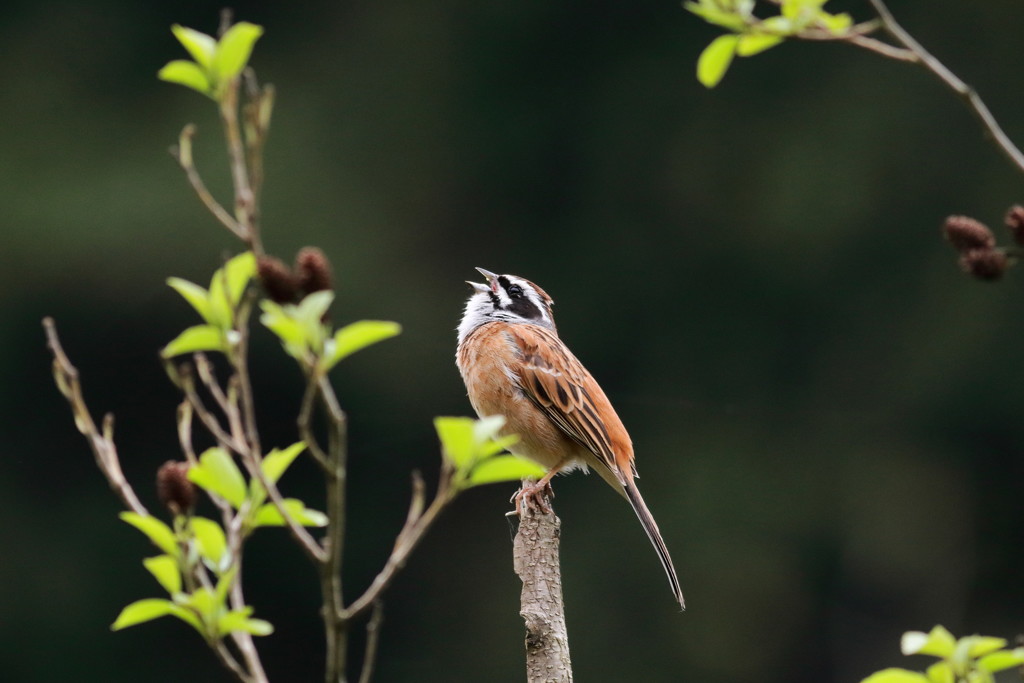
(515, 291)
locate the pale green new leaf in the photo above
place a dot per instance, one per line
(268, 514)
(751, 44)
(142, 611)
(731, 20)
(210, 541)
(714, 61)
(938, 642)
(503, 468)
(186, 73)
(978, 646)
(278, 461)
(940, 672)
(456, 435)
(274, 465)
(234, 49)
(197, 338)
(158, 532)
(487, 428)
(495, 446)
(895, 676)
(227, 285)
(238, 620)
(199, 45)
(1003, 659)
(224, 584)
(195, 295)
(218, 473)
(357, 336)
(837, 24)
(164, 569)
(291, 333)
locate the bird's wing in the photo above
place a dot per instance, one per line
(557, 383)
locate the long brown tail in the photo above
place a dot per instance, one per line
(653, 533)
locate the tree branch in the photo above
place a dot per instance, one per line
(102, 443)
(968, 94)
(535, 557)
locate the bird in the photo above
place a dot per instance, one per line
(514, 364)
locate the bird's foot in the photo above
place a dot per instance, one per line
(535, 496)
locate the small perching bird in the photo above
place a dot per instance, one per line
(514, 364)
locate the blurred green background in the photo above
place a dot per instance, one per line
(826, 412)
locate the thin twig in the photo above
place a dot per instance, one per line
(228, 660)
(102, 444)
(335, 623)
(967, 93)
(305, 423)
(183, 154)
(410, 535)
(244, 198)
(372, 641)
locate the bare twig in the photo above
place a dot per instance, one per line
(305, 423)
(535, 556)
(228, 660)
(183, 154)
(416, 525)
(102, 444)
(967, 93)
(372, 640)
(245, 200)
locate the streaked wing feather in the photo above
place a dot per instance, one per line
(556, 382)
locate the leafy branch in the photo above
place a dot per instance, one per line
(749, 34)
(201, 562)
(971, 659)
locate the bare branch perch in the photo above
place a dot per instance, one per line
(102, 443)
(535, 557)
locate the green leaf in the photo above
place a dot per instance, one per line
(356, 336)
(268, 514)
(1003, 659)
(158, 532)
(238, 620)
(837, 24)
(185, 73)
(218, 473)
(715, 59)
(210, 541)
(274, 465)
(895, 676)
(205, 603)
(751, 44)
(731, 20)
(495, 446)
(938, 642)
(224, 584)
(234, 49)
(199, 45)
(142, 611)
(277, 461)
(197, 338)
(292, 334)
(503, 468)
(227, 285)
(456, 435)
(165, 569)
(978, 646)
(198, 297)
(940, 672)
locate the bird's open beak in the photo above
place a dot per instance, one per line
(492, 282)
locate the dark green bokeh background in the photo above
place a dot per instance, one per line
(826, 413)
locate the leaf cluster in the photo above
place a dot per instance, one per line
(971, 659)
(750, 35)
(217, 62)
